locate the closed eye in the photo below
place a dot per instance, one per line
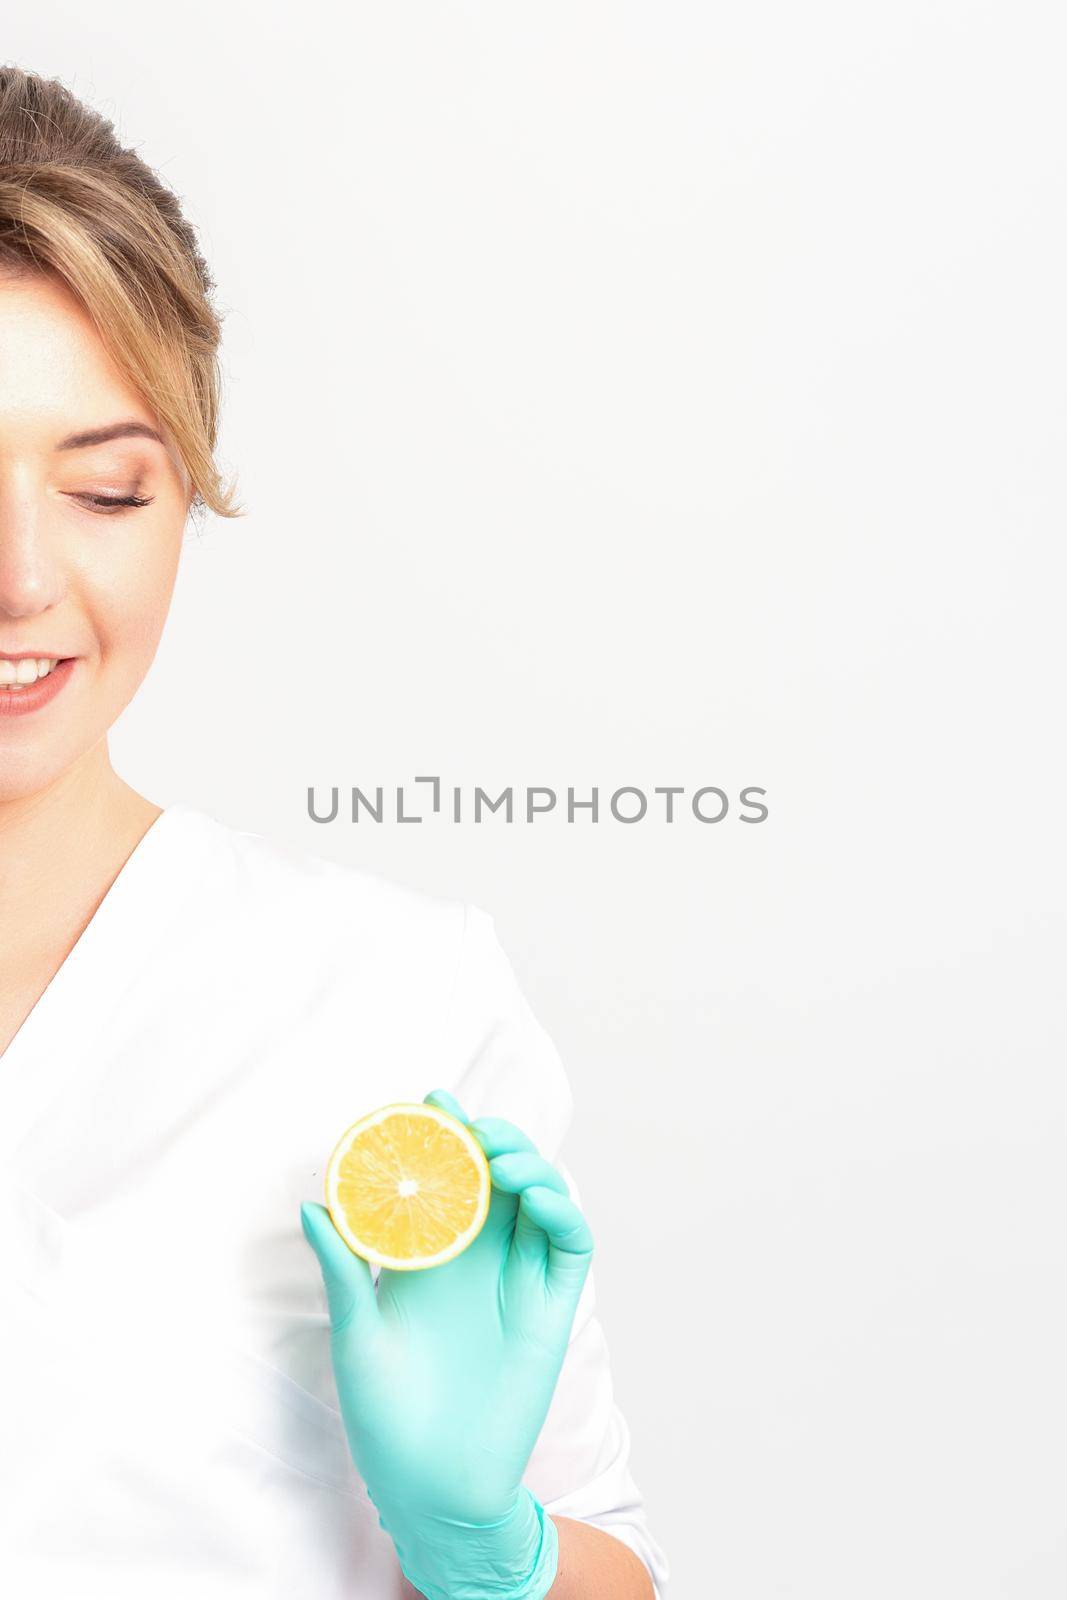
(108, 504)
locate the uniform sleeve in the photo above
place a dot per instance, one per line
(504, 1064)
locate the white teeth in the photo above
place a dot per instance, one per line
(21, 673)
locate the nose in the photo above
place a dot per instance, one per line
(31, 577)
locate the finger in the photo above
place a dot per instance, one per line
(445, 1102)
(498, 1138)
(511, 1173)
(570, 1241)
(350, 1292)
(522, 1169)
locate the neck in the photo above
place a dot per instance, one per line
(60, 850)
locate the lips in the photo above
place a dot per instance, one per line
(21, 699)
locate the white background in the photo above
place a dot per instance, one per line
(651, 394)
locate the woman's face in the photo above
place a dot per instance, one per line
(81, 582)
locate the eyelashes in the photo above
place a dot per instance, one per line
(109, 504)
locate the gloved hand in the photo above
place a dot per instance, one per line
(445, 1376)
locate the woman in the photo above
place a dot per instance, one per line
(190, 1016)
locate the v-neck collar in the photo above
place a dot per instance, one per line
(101, 967)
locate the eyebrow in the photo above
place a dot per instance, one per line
(115, 430)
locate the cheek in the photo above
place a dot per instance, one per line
(127, 584)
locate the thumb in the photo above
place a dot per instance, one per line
(350, 1292)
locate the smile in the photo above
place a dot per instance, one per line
(30, 683)
(28, 669)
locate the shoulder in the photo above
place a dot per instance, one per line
(235, 875)
(424, 975)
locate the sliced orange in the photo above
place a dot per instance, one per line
(408, 1187)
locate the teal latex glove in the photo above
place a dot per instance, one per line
(445, 1376)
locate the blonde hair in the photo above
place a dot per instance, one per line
(75, 204)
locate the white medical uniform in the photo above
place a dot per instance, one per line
(168, 1413)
